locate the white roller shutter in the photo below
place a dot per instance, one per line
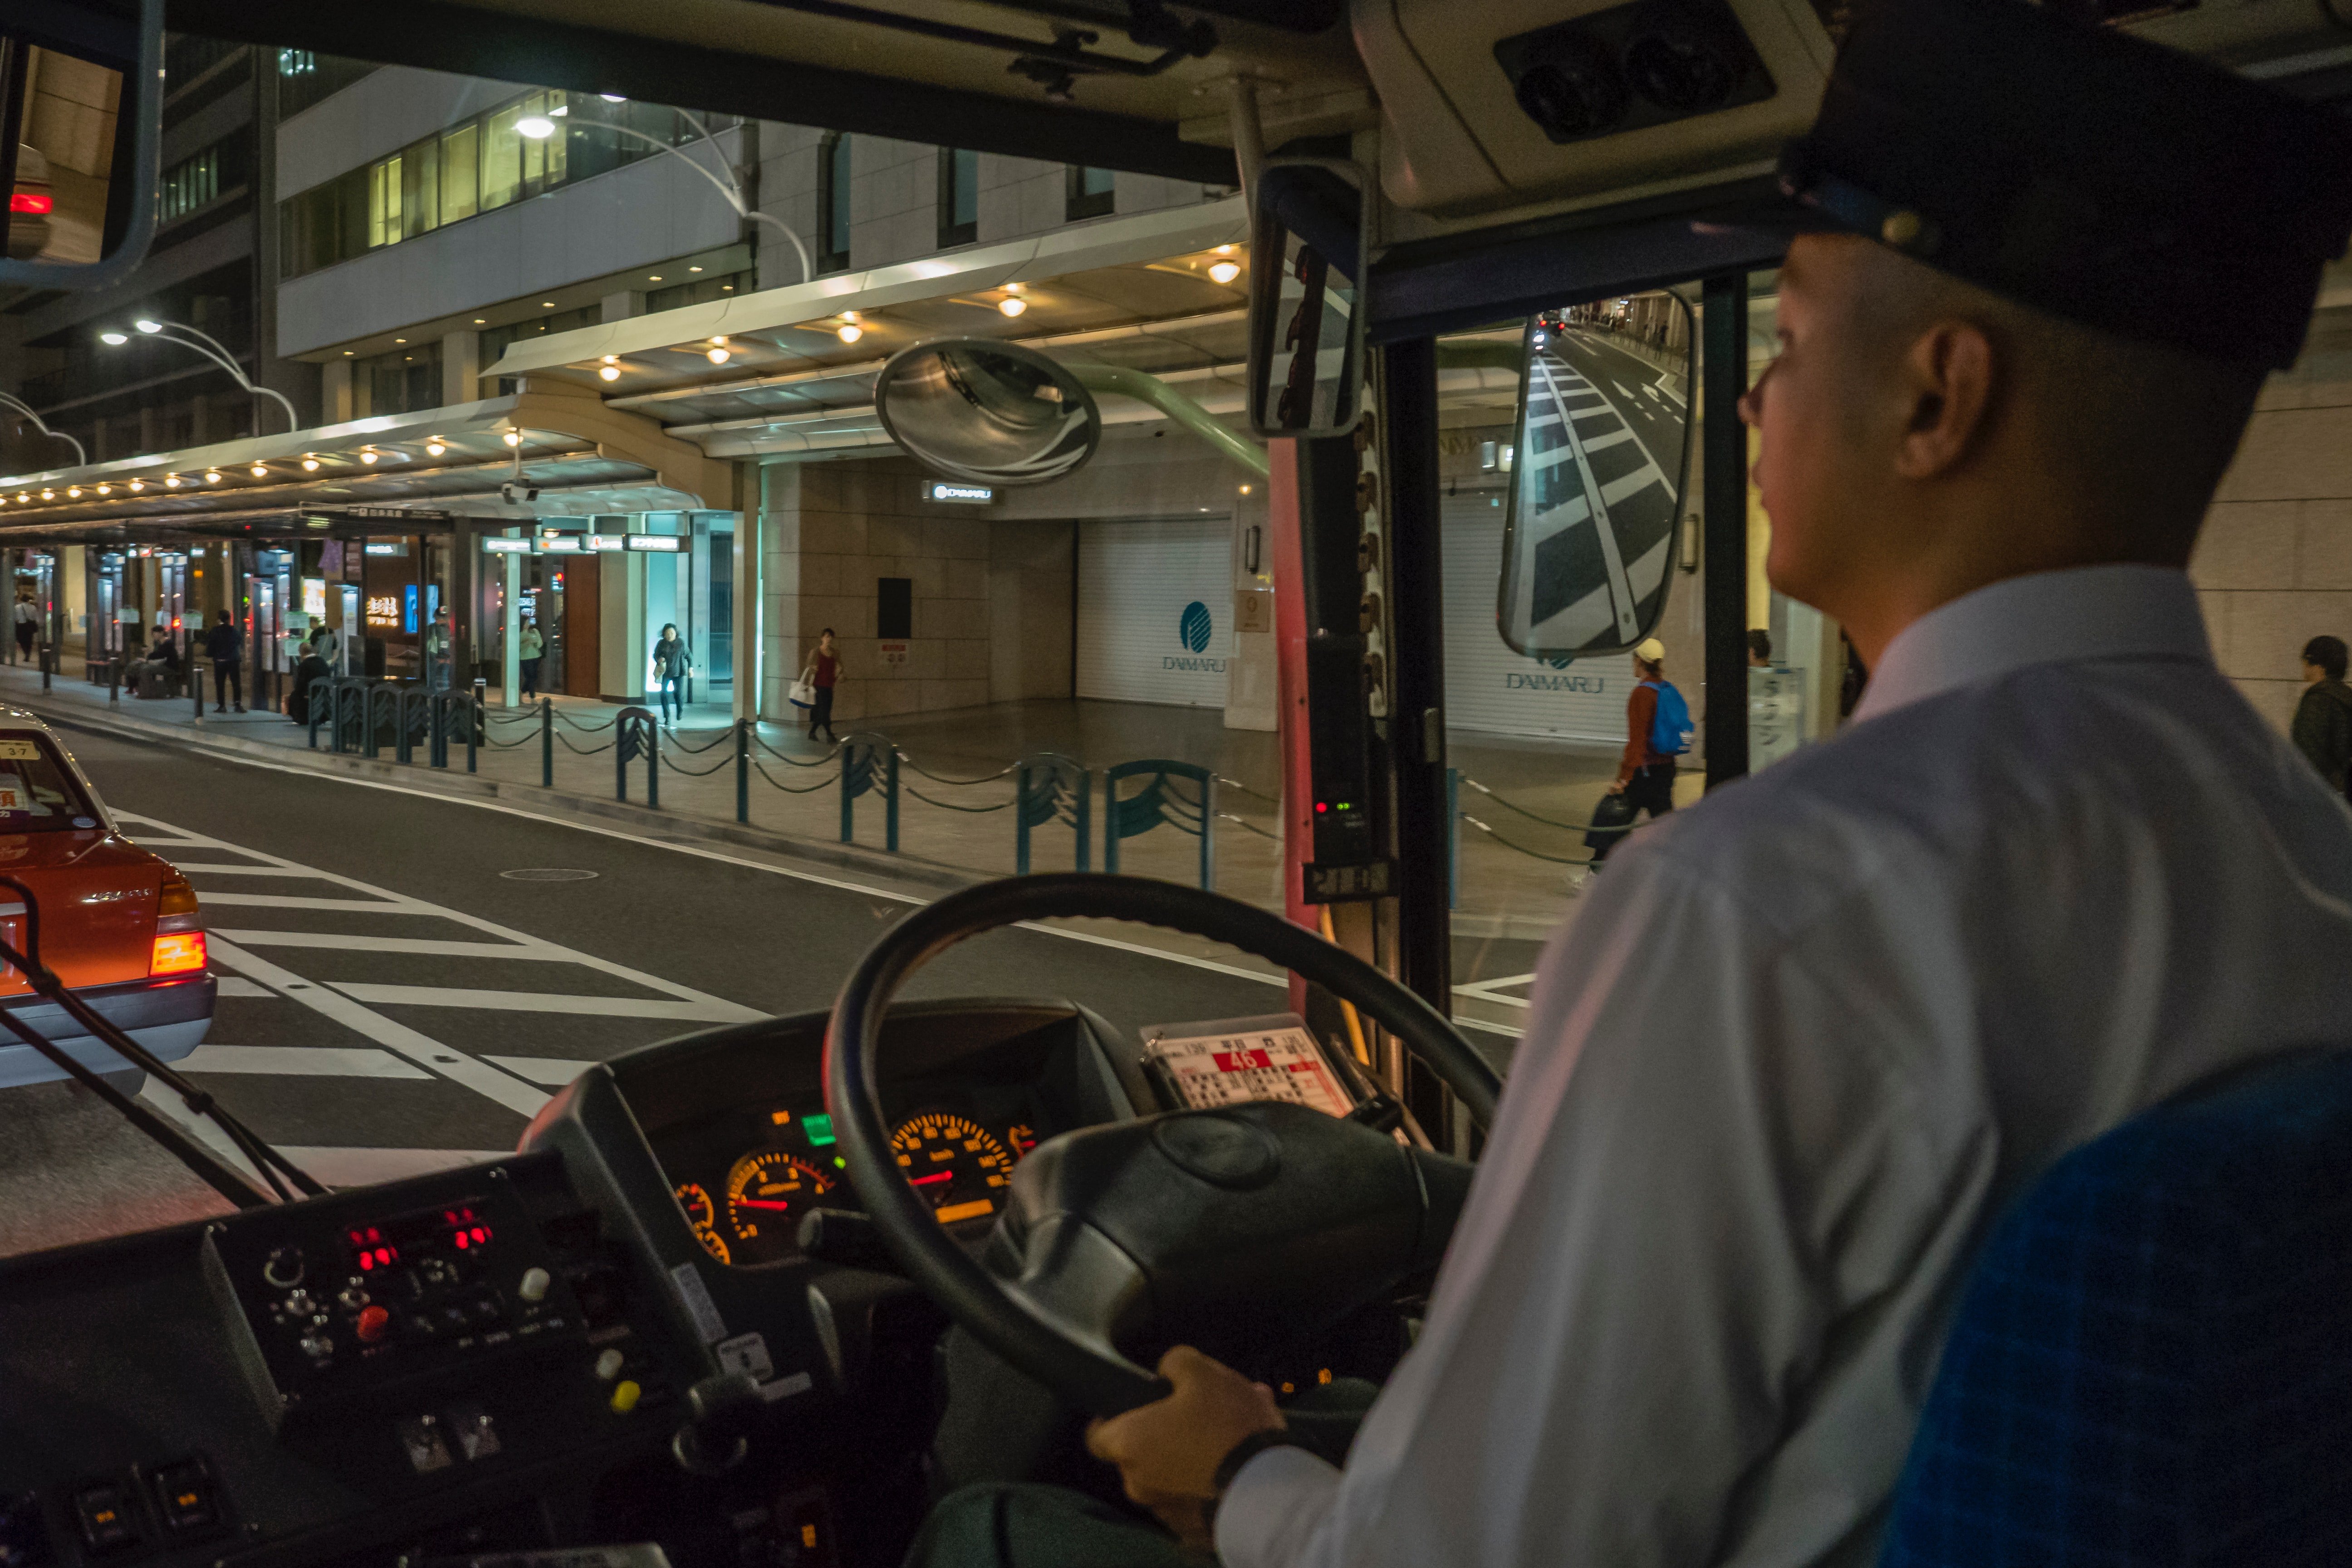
(1155, 610)
(1487, 686)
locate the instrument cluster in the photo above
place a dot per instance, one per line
(750, 1180)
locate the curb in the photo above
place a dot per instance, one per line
(473, 786)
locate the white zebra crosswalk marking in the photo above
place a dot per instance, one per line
(255, 960)
(300, 1061)
(383, 995)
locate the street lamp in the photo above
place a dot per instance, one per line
(539, 127)
(81, 457)
(188, 337)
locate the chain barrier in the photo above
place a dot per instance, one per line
(1248, 827)
(565, 741)
(1256, 795)
(719, 739)
(762, 769)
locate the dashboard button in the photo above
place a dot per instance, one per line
(285, 1266)
(609, 1362)
(534, 1285)
(626, 1395)
(373, 1324)
(420, 1437)
(109, 1523)
(187, 1498)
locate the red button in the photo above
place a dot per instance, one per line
(371, 1324)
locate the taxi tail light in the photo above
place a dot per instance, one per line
(32, 203)
(175, 904)
(179, 929)
(178, 953)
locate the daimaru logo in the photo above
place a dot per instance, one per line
(1193, 631)
(1591, 685)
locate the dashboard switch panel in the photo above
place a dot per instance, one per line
(107, 1514)
(387, 1302)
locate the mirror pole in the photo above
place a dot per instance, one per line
(1723, 372)
(1417, 608)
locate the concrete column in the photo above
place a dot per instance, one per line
(334, 394)
(779, 587)
(620, 307)
(625, 645)
(510, 663)
(461, 366)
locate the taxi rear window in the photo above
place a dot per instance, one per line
(36, 794)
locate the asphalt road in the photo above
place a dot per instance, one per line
(391, 998)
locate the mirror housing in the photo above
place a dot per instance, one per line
(1599, 454)
(987, 412)
(1311, 247)
(79, 213)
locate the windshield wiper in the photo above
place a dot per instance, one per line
(217, 1174)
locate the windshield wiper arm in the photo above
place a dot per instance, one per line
(217, 1174)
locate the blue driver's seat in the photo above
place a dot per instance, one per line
(2152, 1363)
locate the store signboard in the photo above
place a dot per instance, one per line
(659, 544)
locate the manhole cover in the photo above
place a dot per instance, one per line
(548, 874)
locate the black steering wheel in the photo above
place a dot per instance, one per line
(1173, 1222)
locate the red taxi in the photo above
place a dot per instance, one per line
(118, 923)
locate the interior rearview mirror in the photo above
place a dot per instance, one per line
(1310, 242)
(81, 102)
(1598, 461)
(987, 413)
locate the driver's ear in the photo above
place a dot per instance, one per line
(1946, 380)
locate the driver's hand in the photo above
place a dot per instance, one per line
(1168, 1452)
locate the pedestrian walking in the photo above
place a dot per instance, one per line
(824, 670)
(671, 665)
(224, 645)
(532, 646)
(1657, 730)
(2322, 720)
(29, 622)
(440, 643)
(1760, 648)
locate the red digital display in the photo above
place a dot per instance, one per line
(370, 1250)
(466, 1231)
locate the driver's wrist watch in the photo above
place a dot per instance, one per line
(1241, 1454)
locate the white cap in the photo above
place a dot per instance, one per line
(1650, 650)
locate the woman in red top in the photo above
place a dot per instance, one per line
(825, 666)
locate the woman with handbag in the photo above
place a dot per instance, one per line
(816, 684)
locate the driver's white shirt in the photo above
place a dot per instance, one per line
(1794, 1053)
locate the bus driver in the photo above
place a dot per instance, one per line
(1806, 1040)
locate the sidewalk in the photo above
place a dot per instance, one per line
(955, 824)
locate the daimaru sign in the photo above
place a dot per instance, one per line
(1193, 629)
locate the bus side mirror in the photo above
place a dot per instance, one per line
(81, 118)
(1310, 246)
(1594, 475)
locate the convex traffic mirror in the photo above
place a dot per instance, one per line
(987, 412)
(1597, 466)
(1310, 240)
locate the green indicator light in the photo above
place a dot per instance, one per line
(819, 1130)
(841, 1162)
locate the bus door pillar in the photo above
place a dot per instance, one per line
(1723, 461)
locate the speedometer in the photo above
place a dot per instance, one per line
(958, 1168)
(695, 1202)
(767, 1194)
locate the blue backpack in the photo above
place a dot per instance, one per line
(1670, 725)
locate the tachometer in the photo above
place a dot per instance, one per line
(703, 1216)
(767, 1194)
(958, 1168)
